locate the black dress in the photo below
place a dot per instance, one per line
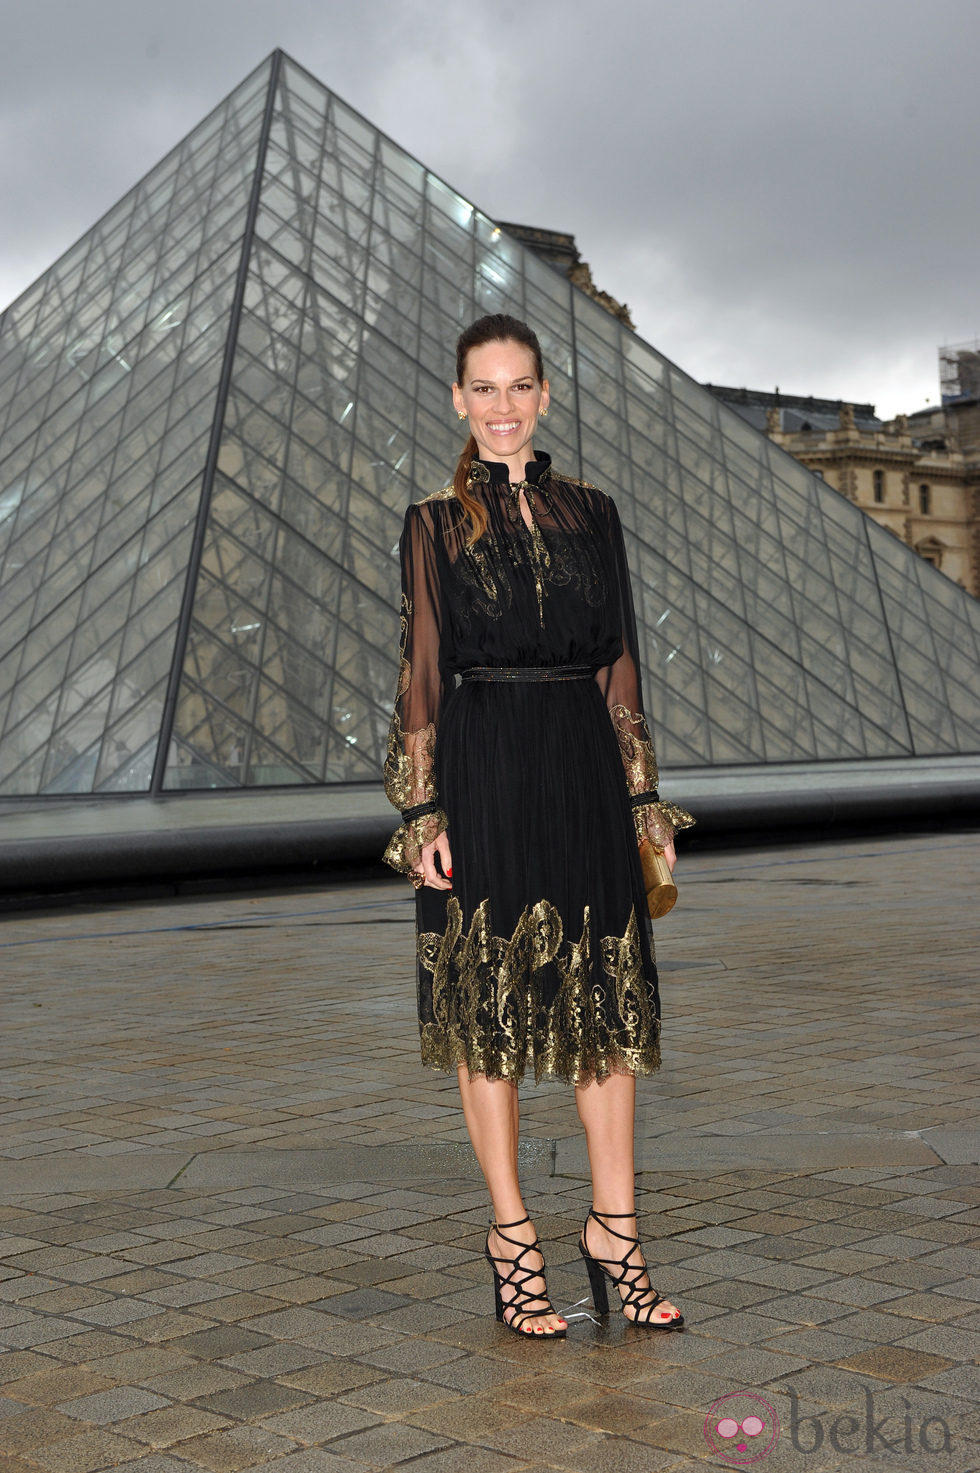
(541, 952)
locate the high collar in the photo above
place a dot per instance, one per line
(499, 475)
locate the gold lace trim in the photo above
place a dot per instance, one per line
(409, 771)
(541, 557)
(659, 822)
(636, 748)
(405, 845)
(487, 999)
(570, 480)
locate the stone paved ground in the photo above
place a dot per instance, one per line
(239, 1227)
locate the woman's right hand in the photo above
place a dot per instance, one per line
(427, 867)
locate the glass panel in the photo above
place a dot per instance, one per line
(775, 623)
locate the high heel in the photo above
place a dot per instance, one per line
(516, 1277)
(632, 1292)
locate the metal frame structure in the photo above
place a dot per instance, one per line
(215, 408)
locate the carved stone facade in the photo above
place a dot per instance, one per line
(918, 475)
(558, 248)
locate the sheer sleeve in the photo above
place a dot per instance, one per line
(619, 682)
(409, 774)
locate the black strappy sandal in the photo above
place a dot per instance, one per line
(516, 1277)
(627, 1281)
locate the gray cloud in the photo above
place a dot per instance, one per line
(783, 193)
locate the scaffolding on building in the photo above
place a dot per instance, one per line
(959, 371)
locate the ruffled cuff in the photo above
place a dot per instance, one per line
(659, 821)
(405, 845)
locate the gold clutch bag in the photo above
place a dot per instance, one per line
(658, 881)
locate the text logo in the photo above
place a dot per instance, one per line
(868, 1434)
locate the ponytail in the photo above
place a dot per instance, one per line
(473, 508)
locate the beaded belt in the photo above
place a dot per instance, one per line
(527, 672)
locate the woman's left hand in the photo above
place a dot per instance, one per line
(670, 854)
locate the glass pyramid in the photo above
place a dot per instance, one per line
(215, 408)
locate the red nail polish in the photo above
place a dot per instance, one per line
(449, 872)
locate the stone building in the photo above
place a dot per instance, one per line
(558, 248)
(918, 475)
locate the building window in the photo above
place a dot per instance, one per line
(879, 485)
(932, 550)
(925, 500)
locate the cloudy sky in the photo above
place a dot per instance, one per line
(784, 192)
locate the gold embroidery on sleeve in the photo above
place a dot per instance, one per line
(409, 777)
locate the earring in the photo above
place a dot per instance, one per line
(461, 414)
(544, 414)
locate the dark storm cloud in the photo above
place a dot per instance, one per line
(783, 193)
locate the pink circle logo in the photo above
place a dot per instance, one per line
(741, 1427)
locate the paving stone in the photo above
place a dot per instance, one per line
(468, 1459)
(319, 1460)
(220, 1341)
(139, 1364)
(87, 1346)
(50, 1387)
(167, 1425)
(194, 1381)
(822, 1345)
(173, 1325)
(611, 1412)
(30, 1429)
(89, 1450)
(401, 1394)
(63, 1300)
(273, 1360)
(828, 1386)
(545, 1437)
(157, 1463)
(369, 1298)
(689, 1389)
(752, 1365)
(679, 1433)
(35, 1330)
(254, 1399)
(329, 1378)
(956, 1381)
(473, 1373)
(949, 1340)
(112, 1406)
(938, 1307)
(234, 1448)
(743, 1327)
(321, 1421)
(116, 1312)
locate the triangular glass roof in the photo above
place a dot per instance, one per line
(215, 408)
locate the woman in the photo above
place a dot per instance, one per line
(523, 791)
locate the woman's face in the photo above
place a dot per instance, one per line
(502, 398)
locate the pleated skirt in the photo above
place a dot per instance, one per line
(540, 956)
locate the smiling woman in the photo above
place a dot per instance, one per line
(524, 789)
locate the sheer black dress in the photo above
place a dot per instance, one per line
(541, 952)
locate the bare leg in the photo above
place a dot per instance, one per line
(492, 1114)
(607, 1110)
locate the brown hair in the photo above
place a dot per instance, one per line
(497, 328)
